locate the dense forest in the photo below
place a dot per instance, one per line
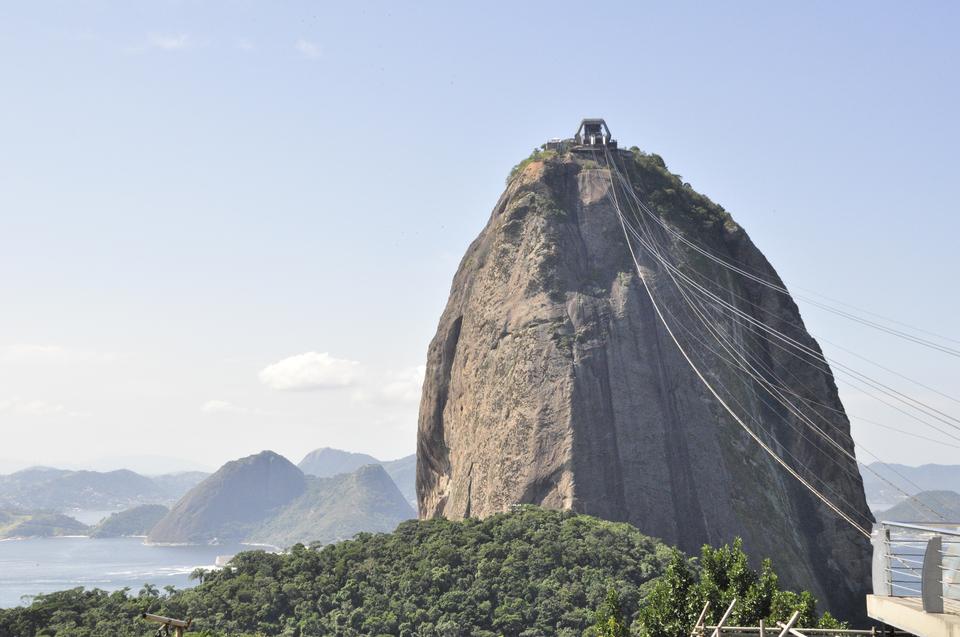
(527, 572)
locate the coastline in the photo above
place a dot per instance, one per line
(42, 537)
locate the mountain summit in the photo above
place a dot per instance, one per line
(228, 504)
(264, 498)
(551, 379)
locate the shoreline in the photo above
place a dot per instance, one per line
(271, 548)
(43, 537)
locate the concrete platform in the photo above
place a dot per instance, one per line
(906, 613)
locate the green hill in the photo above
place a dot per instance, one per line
(58, 489)
(40, 524)
(545, 570)
(404, 474)
(132, 522)
(337, 508)
(175, 485)
(928, 477)
(233, 501)
(326, 462)
(924, 507)
(45, 488)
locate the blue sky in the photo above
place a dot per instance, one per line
(191, 193)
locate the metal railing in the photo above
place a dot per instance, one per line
(918, 560)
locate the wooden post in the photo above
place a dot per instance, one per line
(178, 625)
(716, 631)
(763, 633)
(698, 627)
(786, 627)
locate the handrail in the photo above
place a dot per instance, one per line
(926, 528)
(939, 565)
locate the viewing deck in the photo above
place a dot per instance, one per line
(916, 578)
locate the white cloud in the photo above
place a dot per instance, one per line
(405, 386)
(34, 408)
(168, 42)
(245, 44)
(163, 42)
(223, 407)
(310, 371)
(33, 349)
(308, 49)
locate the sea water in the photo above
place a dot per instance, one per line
(43, 565)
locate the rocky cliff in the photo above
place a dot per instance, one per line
(551, 381)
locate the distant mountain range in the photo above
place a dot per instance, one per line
(265, 498)
(133, 522)
(337, 508)
(881, 496)
(326, 462)
(44, 488)
(924, 507)
(331, 495)
(232, 502)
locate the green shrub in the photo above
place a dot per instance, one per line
(675, 603)
(538, 154)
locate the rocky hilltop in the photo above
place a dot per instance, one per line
(231, 502)
(337, 508)
(326, 462)
(551, 381)
(264, 498)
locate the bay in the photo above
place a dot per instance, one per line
(43, 565)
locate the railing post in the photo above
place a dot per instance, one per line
(698, 627)
(882, 584)
(931, 586)
(723, 620)
(789, 625)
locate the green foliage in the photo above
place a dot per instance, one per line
(527, 572)
(722, 574)
(669, 196)
(39, 524)
(609, 621)
(335, 508)
(539, 154)
(136, 521)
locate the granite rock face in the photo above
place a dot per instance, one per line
(551, 381)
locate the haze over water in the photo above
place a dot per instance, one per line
(44, 565)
